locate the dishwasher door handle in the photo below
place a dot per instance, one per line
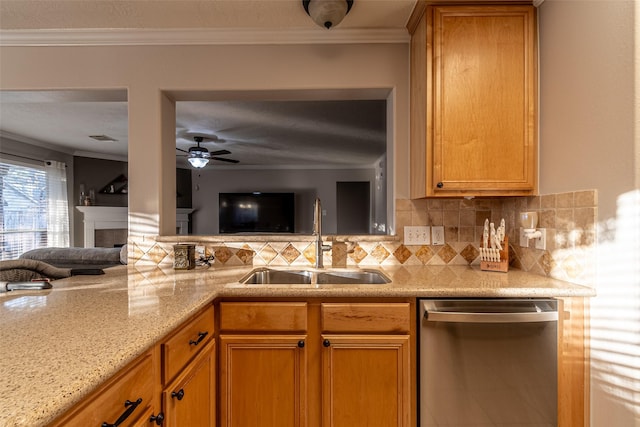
(434, 315)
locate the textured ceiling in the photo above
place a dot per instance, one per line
(312, 133)
(255, 14)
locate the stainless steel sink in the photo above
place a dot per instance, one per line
(370, 277)
(268, 276)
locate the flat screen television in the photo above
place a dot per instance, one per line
(256, 212)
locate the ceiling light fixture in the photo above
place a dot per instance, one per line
(198, 161)
(327, 13)
(198, 156)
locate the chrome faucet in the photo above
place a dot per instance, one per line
(317, 231)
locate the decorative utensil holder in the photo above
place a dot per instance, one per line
(184, 257)
(503, 263)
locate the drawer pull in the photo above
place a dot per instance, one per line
(326, 343)
(201, 336)
(158, 419)
(178, 395)
(131, 406)
(301, 343)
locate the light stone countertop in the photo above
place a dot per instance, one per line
(58, 345)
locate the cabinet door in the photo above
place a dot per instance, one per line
(366, 380)
(190, 399)
(263, 380)
(484, 100)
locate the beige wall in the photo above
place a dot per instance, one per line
(149, 71)
(587, 98)
(589, 139)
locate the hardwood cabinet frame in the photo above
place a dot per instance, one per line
(474, 101)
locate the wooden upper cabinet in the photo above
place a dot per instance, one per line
(474, 101)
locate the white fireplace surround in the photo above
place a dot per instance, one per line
(116, 217)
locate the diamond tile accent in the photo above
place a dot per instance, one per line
(310, 254)
(470, 253)
(245, 255)
(546, 263)
(156, 254)
(137, 252)
(424, 254)
(267, 253)
(290, 253)
(402, 254)
(447, 253)
(222, 254)
(380, 253)
(358, 254)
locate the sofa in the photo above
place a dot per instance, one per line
(79, 258)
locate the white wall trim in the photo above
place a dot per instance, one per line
(212, 36)
(116, 217)
(102, 218)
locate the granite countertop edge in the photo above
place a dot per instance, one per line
(150, 303)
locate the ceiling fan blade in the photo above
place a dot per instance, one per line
(219, 152)
(180, 149)
(222, 159)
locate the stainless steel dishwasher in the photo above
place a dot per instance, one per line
(488, 362)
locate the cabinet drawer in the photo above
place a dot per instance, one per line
(135, 383)
(365, 317)
(263, 316)
(181, 347)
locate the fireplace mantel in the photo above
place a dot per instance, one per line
(116, 217)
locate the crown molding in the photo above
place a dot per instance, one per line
(212, 36)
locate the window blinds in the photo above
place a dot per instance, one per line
(23, 209)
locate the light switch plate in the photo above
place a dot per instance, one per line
(417, 235)
(437, 235)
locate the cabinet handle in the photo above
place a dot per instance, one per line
(131, 406)
(158, 419)
(301, 343)
(201, 336)
(326, 343)
(178, 395)
(439, 185)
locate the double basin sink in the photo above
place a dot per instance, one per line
(269, 276)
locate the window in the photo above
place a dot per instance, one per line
(23, 209)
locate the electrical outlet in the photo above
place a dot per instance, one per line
(541, 242)
(524, 242)
(416, 235)
(437, 235)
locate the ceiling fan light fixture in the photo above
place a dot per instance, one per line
(198, 162)
(327, 13)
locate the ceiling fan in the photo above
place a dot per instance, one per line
(199, 156)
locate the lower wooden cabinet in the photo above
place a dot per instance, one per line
(297, 364)
(365, 380)
(126, 400)
(190, 399)
(347, 365)
(263, 380)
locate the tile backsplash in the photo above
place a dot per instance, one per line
(569, 218)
